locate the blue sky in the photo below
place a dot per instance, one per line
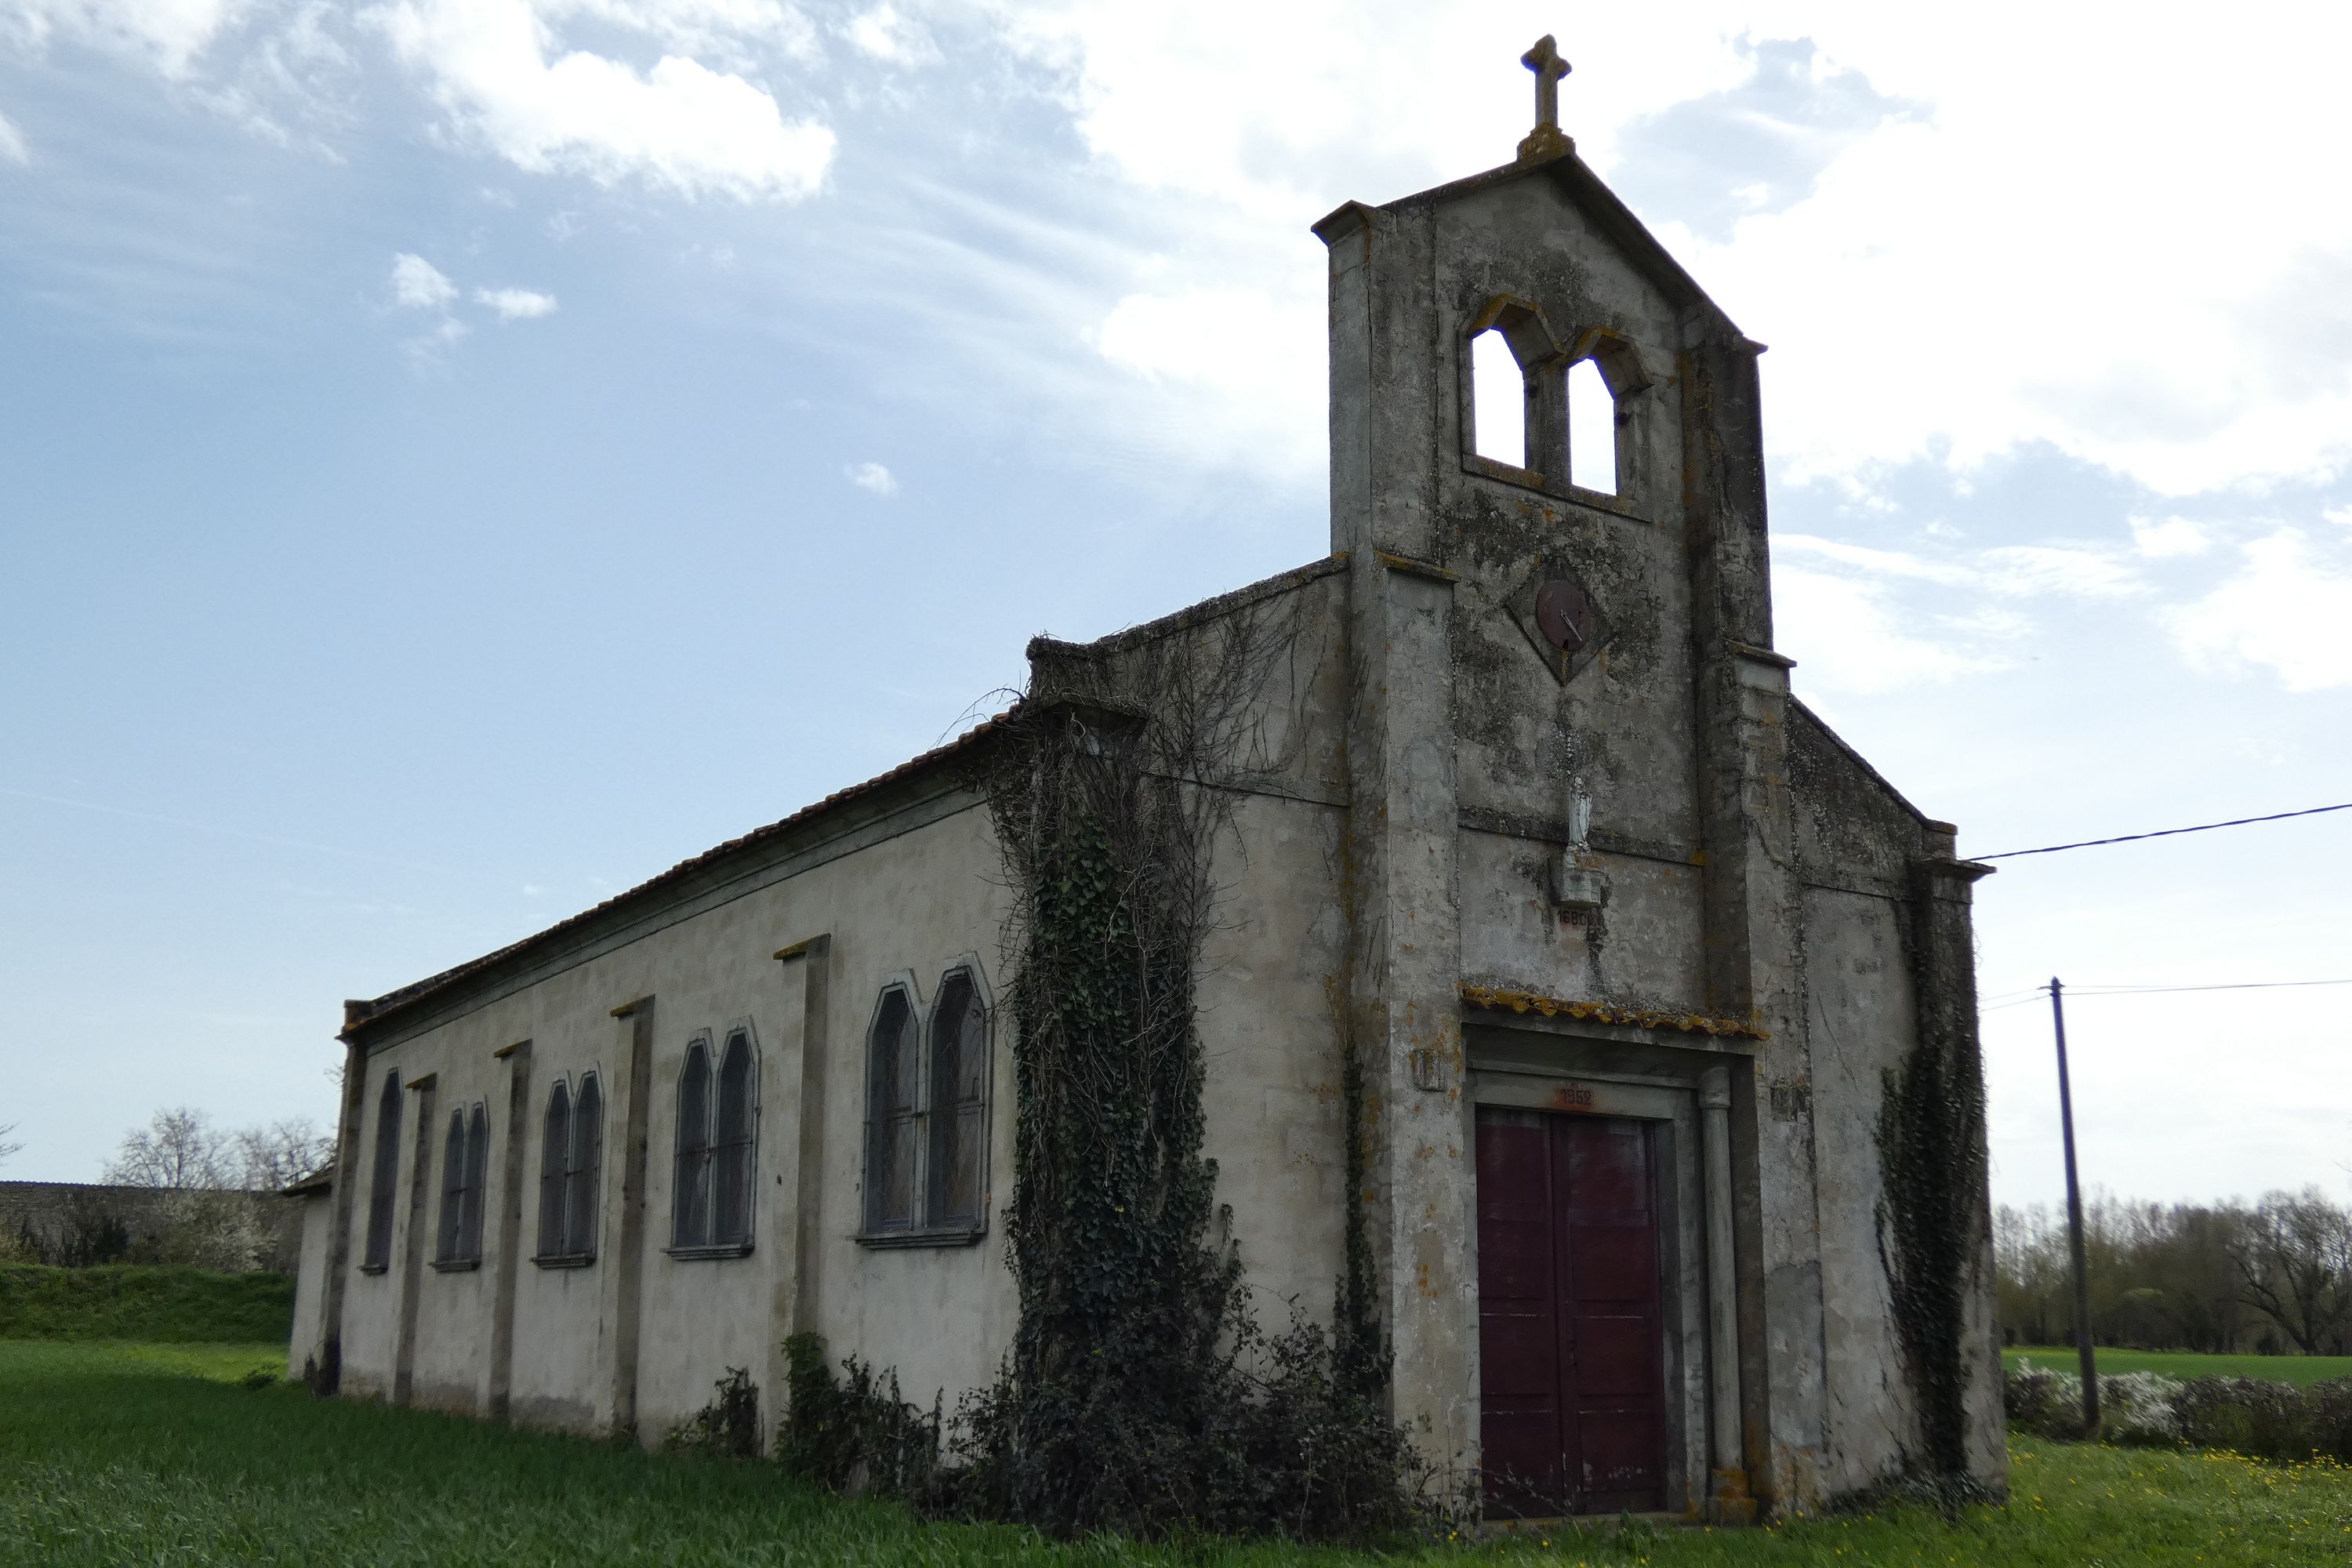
(457, 459)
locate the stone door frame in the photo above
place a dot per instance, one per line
(1566, 1066)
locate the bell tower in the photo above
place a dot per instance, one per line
(1547, 480)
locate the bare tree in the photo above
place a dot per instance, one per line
(2294, 1258)
(7, 1148)
(179, 1151)
(271, 1158)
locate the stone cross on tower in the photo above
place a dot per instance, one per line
(1547, 140)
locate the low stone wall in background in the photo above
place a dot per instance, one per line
(78, 1224)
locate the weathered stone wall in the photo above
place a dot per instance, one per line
(53, 1213)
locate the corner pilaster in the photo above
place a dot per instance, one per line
(1403, 905)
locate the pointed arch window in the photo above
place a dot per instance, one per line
(690, 1185)
(717, 1123)
(1591, 429)
(570, 1157)
(894, 1115)
(1548, 412)
(959, 1116)
(928, 1074)
(464, 1159)
(384, 1175)
(554, 1150)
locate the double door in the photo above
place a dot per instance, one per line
(1571, 1333)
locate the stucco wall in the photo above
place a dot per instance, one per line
(916, 904)
(316, 1222)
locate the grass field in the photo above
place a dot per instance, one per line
(2295, 1369)
(112, 1454)
(143, 1301)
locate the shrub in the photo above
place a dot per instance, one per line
(2042, 1400)
(729, 1426)
(126, 1301)
(2246, 1415)
(2138, 1410)
(858, 1436)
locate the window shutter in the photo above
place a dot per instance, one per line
(894, 1115)
(453, 1191)
(477, 1150)
(583, 1189)
(387, 1172)
(958, 1116)
(554, 1150)
(690, 1195)
(731, 1194)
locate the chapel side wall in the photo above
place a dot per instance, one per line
(1269, 1020)
(307, 1344)
(941, 1317)
(1860, 847)
(1859, 1010)
(1623, 720)
(453, 1305)
(371, 1319)
(1269, 997)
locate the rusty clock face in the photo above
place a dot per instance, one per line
(1564, 614)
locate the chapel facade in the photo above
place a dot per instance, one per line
(1644, 964)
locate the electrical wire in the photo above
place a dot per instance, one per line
(2165, 831)
(2151, 990)
(2040, 991)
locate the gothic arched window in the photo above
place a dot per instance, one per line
(959, 1111)
(1591, 429)
(691, 1186)
(928, 1082)
(464, 1156)
(894, 1114)
(477, 1155)
(1498, 401)
(717, 1116)
(452, 1243)
(730, 1194)
(382, 1175)
(583, 1189)
(571, 1152)
(554, 1153)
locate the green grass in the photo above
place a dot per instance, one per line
(136, 1302)
(113, 1454)
(2296, 1369)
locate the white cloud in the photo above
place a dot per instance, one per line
(418, 285)
(2286, 609)
(14, 148)
(1995, 260)
(2172, 537)
(500, 73)
(430, 347)
(884, 33)
(873, 478)
(2023, 569)
(1250, 359)
(516, 304)
(1849, 634)
(167, 34)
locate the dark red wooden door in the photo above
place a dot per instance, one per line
(1571, 1380)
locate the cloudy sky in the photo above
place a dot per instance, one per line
(460, 457)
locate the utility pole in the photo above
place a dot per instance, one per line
(2074, 1223)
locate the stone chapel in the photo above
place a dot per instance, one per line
(1665, 999)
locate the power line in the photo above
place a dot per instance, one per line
(2241, 985)
(2041, 991)
(2165, 831)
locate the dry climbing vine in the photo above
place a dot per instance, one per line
(1931, 1146)
(1142, 1395)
